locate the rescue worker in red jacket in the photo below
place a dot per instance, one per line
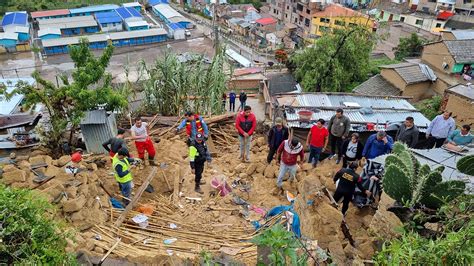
(194, 124)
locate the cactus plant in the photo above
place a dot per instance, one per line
(407, 181)
(466, 165)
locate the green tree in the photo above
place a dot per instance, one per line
(336, 60)
(409, 47)
(29, 235)
(88, 88)
(430, 107)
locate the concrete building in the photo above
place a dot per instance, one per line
(91, 10)
(49, 33)
(8, 39)
(109, 21)
(459, 99)
(297, 12)
(135, 5)
(336, 16)
(47, 14)
(71, 26)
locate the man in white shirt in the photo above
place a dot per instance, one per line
(140, 133)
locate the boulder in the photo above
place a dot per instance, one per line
(261, 141)
(24, 165)
(240, 168)
(99, 250)
(270, 171)
(63, 160)
(9, 168)
(260, 168)
(74, 205)
(38, 159)
(52, 171)
(14, 176)
(337, 253)
(251, 169)
(92, 167)
(243, 176)
(76, 216)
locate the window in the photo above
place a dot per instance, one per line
(286, 15)
(324, 20)
(296, 20)
(287, 7)
(306, 22)
(299, 7)
(419, 22)
(323, 29)
(308, 11)
(402, 19)
(340, 23)
(438, 25)
(301, 18)
(274, 11)
(467, 1)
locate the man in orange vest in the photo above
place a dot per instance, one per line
(194, 124)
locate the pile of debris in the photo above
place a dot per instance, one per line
(175, 218)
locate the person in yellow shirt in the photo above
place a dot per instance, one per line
(121, 164)
(198, 155)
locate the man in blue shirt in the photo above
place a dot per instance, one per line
(377, 144)
(439, 129)
(232, 97)
(461, 137)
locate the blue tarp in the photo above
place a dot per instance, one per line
(108, 17)
(295, 227)
(128, 12)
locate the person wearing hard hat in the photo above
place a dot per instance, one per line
(121, 164)
(198, 155)
(76, 157)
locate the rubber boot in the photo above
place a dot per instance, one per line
(202, 182)
(151, 161)
(198, 189)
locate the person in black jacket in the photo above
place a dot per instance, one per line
(277, 134)
(351, 150)
(408, 133)
(348, 180)
(243, 100)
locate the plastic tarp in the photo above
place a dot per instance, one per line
(295, 226)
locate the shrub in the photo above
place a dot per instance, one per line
(28, 232)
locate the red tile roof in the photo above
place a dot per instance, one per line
(247, 71)
(266, 21)
(48, 13)
(336, 10)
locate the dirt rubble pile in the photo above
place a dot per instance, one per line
(84, 203)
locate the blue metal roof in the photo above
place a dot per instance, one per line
(108, 17)
(175, 26)
(7, 107)
(15, 18)
(156, 2)
(128, 12)
(92, 9)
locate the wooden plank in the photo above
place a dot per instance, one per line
(136, 198)
(176, 184)
(110, 251)
(211, 146)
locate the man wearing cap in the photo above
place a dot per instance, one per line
(277, 134)
(198, 155)
(122, 173)
(194, 124)
(377, 144)
(113, 145)
(287, 157)
(143, 142)
(339, 126)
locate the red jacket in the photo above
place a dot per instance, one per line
(245, 125)
(288, 156)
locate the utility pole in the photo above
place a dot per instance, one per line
(215, 28)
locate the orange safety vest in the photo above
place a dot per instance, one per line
(198, 126)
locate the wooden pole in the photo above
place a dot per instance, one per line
(110, 251)
(166, 180)
(136, 198)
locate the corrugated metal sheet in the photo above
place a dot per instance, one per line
(98, 127)
(337, 100)
(385, 110)
(9, 107)
(93, 9)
